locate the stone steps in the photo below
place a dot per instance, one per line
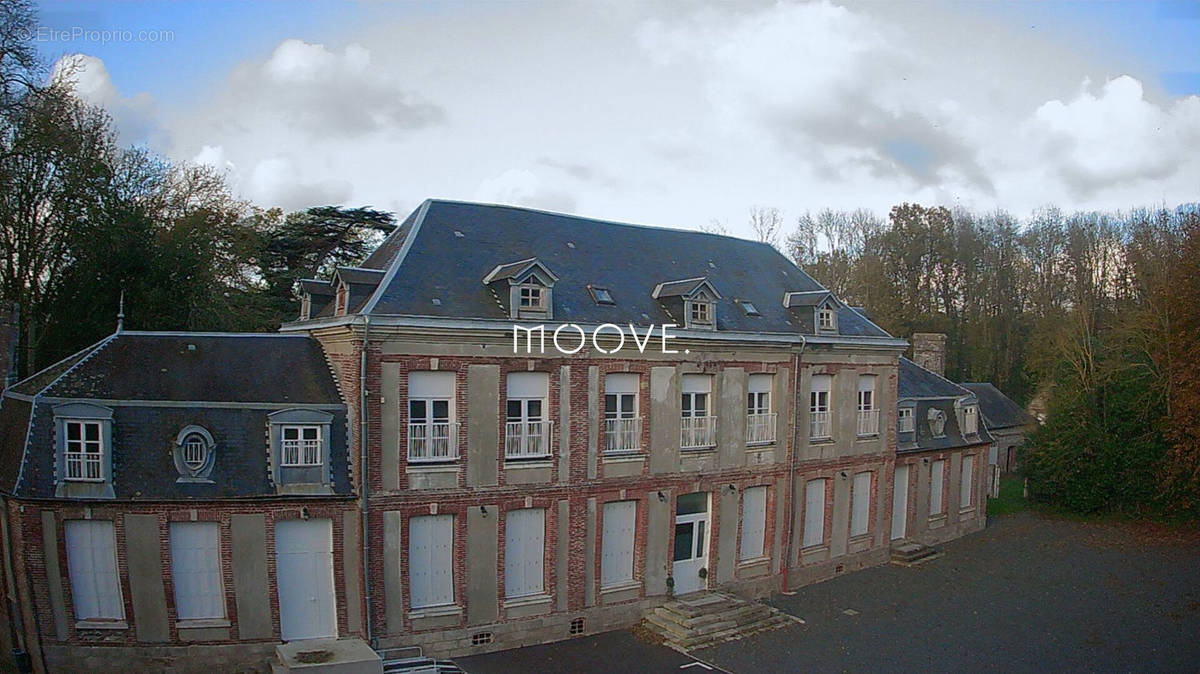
(700, 621)
(909, 553)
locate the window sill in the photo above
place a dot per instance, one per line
(432, 467)
(539, 462)
(860, 537)
(83, 480)
(754, 561)
(698, 450)
(199, 623)
(937, 518)
(868, 436)
(101, 625)
(435, 611)
(821, 441)
(623, 586)
(529, 600)
(759, 446)
(966, 511)
(632, 456)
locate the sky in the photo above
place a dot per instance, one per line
(665, 112)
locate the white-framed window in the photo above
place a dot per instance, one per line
(300, 446)
(905, 421)
(820, 426)
(749, 308)
(622, 425)
(860, 503)
(937, 476)
(601, 295)
(826, 318)
(868, 414)
(760, 420)
(84, 450)
(527, 431)
(431, 560)
(814, 512)
(970, 420)
(524, 552)
(700, 312)
(966, 487)
(531, 297)
(195, 451)
(432, 433)
(754, 523)
(616, 542)
(341, 298)
(697, 426)
(92, 565)
(196, 570)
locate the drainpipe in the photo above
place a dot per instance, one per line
(791, 512)
(364, 483)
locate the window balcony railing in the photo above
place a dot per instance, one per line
(760, 429)
(819, 427)
(622, 435)
(868, 422)
(697, 432)
(527, 439)
(429, 442)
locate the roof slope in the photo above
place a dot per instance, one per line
(915, 381)
(999, 411)
(457, 244)
(209, 367)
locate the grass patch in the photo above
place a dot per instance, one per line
(1011, 498)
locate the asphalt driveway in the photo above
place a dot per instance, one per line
(1030, 593)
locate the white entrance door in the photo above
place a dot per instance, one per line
(900, 503)
(691, 542)
(304, 575)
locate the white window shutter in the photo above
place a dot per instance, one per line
(935, 487)
(528, 384)
(524, 552)
(430, 384)
(754, 522)
(964, 489)
(814, 512)
(616, 555)
(431, 560)
(861, 504)
(196, 570)
(92, 565)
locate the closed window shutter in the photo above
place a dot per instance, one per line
(616, 556)
(92, 564)
(754, 522)
(431, 560)
(935, 487)
(196, 570)
(524, 550)
(861, 504)
(968, 471)
(814, 513)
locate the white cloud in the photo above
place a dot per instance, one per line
(135, 117)
(278, 182)
(1100, 140)
(524, 188)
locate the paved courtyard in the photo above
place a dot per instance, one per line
(1030, 593)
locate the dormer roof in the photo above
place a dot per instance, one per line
(807, 298)
(516, 272)
(314, 286)
(686, 288)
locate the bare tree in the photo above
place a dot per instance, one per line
(715, 226)
(767, 223)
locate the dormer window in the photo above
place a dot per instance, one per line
(937, 423)
(84, 453)
(195, 451)
(826, 318)
(194, 455)
(970, 420)
(532, 297)
(749, 308)
(83, 444)
(696, 298)
(701, 313)
(301, 446)
(340, 300)
(528, 286)
(905, 420)
(300, 449)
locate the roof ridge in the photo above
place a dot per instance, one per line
(56, 364)
(188, 333)
(395, 263)
(99, 347)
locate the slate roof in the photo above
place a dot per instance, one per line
(157, 384)
(316, 287)
(998, 410)
(358, 275)
(915, 381)
(454, 245)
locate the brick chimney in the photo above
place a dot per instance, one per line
(929, 351)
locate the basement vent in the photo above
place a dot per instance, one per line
(577, 626)
(840, 568)
(481, 638)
